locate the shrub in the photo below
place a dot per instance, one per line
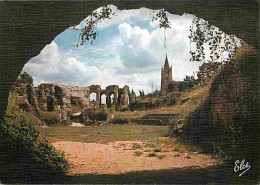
(64, 122)
(175, 149)
(161, 156)
(136, 146)
(119, 121)
(18, 116)
(176, 155)
(124, 109)
(138, 153)
(26, 156)
(152, 154)
(25, 78)
(157, 150)
(89, 122)
(98, 116)
(164, 133)
(50, 118)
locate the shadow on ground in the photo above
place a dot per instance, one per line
(188, 175)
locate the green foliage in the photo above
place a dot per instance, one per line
(138, 153)
(119, 121)
(136, 146)
(96, 115)
(25, 154)
(164, 22)
(64, 122)
(157, 150)
(25, 78)
(89, 122)
(202, 33)
(164, 133)
(50, 118)
(176, 155)
(18, 116)
(90, 31)
(124, 109)
(152, 154)
(161, 156)
(234, 138)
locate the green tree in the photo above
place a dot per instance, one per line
(25, 78)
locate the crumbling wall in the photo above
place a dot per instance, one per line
(62, 99)
(132, 97)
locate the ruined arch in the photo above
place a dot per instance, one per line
(103, 99)
(50, 104)
(51, 18)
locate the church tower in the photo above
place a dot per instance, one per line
(166, 76)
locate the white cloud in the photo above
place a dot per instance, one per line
(134, 57)
(46, 61)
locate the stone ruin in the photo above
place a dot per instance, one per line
(68, 100)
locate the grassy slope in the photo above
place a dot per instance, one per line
(195, 96)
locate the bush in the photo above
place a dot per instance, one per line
(124, 109)
(119, 121)
(98, 116)
(157, 150)
(64, 122)
(18, 116)
(138, 153)
(152, 154)
(161, 156)
(25, 78)
(50, 118)
(89, 122)
(26, 156)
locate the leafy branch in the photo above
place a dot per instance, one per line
(90, 32)
(202, 34)
(164, 22)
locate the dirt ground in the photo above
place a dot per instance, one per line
(122, 157)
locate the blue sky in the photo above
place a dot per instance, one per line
(129, 51)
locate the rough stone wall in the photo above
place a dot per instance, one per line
(225, 91)
(26, 98)
(112, 89)
(228, 86)
(124, 97)
(132, 97)
(60, 98)
(96, 89)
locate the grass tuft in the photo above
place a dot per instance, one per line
(176, 155)
(157, 150)
(138, 153)
(161, 156)
(152, 154)
(136, 146)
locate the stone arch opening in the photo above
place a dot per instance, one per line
(248, 16)
(103, 99)
(50, 104)
(93, 97)
(58, 94)
(29, 94)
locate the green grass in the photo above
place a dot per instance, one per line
(104, 134)
(138, 153)
(157, 150)
(152, 154)
(176, 155)
(161, 156)
(136, 146)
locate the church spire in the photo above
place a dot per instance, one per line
(166, 64)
